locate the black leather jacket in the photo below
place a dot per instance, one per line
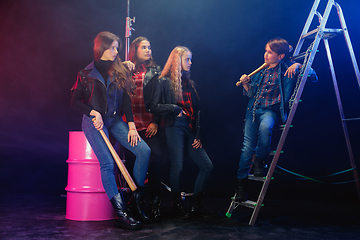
(151, 77)
(164, 104)
(90, 93)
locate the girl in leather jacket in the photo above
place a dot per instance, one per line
(145, 76)
(177, 102)
(101, 93)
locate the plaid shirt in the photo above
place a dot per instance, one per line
(186, 103)
(142, 118)
(269, 94)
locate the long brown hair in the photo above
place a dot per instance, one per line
(118, 72)
(133, 52)
(172, 69)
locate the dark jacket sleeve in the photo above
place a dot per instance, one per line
(77, 96)
(163, 102)
(126, 105)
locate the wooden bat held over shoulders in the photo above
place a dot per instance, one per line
(254, 72)
(118, 161)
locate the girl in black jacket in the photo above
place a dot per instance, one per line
(101, 93)
(177, 101)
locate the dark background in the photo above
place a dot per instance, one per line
(43, 44)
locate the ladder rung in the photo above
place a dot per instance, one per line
(328, 33)
(298, 57)
(281, 127)
(351, 119)
(272, 153)
(248, 203)
(252, 177)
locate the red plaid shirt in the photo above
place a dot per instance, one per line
(186, 103)
(269, 88)
(142, 118)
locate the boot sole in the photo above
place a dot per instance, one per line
(135, 227)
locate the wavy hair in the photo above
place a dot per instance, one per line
(133, 53)
(118, 72)
(173, 70)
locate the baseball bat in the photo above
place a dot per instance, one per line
(254, 72)
(118, 161)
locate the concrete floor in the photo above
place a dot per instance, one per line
(43, 217)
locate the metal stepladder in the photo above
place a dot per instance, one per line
(320, 33)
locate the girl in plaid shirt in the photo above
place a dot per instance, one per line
(269, 92)
(145, 74)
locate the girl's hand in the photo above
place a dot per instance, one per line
(181, 113)
(129, 65)
(133, 135)
(97, 121)
(244, 79)
(290, 72)
(151, 130)
(197, 144)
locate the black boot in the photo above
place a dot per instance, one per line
(122, 219)
(136, 206)
(259, 167)
(196, 207)
(241, 190)
(179, 210)
(155, 208)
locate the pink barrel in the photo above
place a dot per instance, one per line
(86, 197)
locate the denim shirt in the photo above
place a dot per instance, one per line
(286, 88)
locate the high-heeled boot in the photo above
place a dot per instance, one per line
(136, 206)
(241, 190)
(197, 209)
(179, 210)
(155, 208)
(122, 219)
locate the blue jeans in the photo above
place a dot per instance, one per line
(119, 130)
(179, 141)
(257, 138)
(155, 163)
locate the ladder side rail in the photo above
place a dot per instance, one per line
(269, 174)
(285, 131)
(348, 42)
(326, 15)
(341, 111)
(306, 27)
(286, 128)
(275, 159)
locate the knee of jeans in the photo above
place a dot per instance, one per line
(107, 166)
(210, 166)
(147, 149)
(247, 150)
(265, 128)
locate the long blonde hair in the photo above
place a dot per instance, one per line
(173, 70)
